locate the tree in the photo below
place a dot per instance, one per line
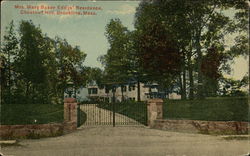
(193, 26)
(69, 65)
(209, 26)
(161, 56)
(31, 57)
(39, 66)
(119, 61)
(240, 27)
(9, 49)
(232, 87)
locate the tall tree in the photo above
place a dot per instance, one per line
(119, 67)
(31, 56)
(160, 47)
(9, 49)
(40, 66)
(69, 64)
(193, 25)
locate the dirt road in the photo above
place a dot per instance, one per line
(129, 141)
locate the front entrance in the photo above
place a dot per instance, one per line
(126, 113)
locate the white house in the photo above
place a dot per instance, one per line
(128, 92)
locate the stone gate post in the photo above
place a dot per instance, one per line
(155, 110)
(70, 113)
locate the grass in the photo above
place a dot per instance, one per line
(16, 144)
(15, 114)
(246, 137)
(211, 109)
(134, 110)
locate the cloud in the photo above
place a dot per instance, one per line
(123, 10)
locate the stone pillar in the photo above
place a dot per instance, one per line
(155, 110)
(70, 111)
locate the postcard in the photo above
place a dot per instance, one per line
(118, 78)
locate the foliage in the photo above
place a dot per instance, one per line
(211, 109)
(241, 27)
(14, 114)
(158, 53)
(116, 61)
(121, 61)
(39, 67)
(231, 87)
(8, 57)
(193, 28)
(94, 74)
(211, 63)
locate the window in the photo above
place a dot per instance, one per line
(106, 90)
(130, 88)
(124, 88)
(92, 90)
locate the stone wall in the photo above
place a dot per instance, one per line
(44, 130)
(155, 120)
(36, 131)
(204, 127)
(30, 131)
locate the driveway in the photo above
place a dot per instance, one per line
(129, 141)
(99, 116)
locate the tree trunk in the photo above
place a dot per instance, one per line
(200, 94)
(33, 94)
(9, 77)
(138, 91)
(181, 88)
(191, 78)
(184, 88)
(27, 92)
(122, 93)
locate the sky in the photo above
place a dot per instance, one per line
(85, 31)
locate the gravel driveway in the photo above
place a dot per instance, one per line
(99, 116)
(129, 141)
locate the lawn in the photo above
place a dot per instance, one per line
(12, 114)
(211, 109)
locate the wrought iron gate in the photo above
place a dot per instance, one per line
(129, 113)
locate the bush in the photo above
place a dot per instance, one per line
(13, 114)
(211, 109)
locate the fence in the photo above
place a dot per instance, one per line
(125, 113)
